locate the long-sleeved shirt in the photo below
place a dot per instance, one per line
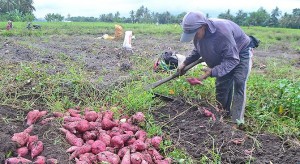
(220, 50)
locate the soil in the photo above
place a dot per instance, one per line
(200, 136)
(197, 134)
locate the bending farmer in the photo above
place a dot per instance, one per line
(226, 49)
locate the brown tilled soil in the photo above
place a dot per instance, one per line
(200, 135)
(197, 134)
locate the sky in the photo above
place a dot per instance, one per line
(94, 8)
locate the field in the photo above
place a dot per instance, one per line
(64, 65)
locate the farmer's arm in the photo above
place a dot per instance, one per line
(192, 57)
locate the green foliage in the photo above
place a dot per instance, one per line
(51, 17)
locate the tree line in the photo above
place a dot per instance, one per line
(22, 10)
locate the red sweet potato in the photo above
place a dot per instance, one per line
(108, 124)
(40, 160)
(105, 138)
(138, 117)
(138, 145)
(37, 148)
(117, 142)
(91, 115)
(78, 161)
(71, 119)
(74, 112)
(130, 141)
(21, 138)
(108, 115)
(90, 135)
(98, 147)
(141, 135)
(22, 151)
(90, 142)
(107, 156)
(83, 126)
(46, 120)
(165, 161)
(30, 140)
(58, 114)
(95, 125)
(122, 151)
(126, 158)
(17, 160)
(155, 154)
(136, 158)
(90, 158)
(147, 157)
(155, 141)
(144, 162)
(72, 149)
(34, 115)
(129, 127)
(52, 161)
(115, 131)
(71, 138)
(29, 129)
(71, 126)
(81, 150)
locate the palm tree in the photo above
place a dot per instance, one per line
(8, 5)
(25, 6)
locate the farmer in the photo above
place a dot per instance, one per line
(9, 25)
(226, 49)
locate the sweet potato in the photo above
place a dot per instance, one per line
(29, 129)
(30, 140)
(138, 117)
(122, 151)
(71, 126)
(71, 138)
(83, 126)
(46, 120)
(129, 127)
(58, 114)
(141, 135)
(155, 154)
(110, 149)
(126, 158)
(71, 119)
(165, 161)
(155, 141)
(130, 141)
(91, 115)
(136, 158)
(144, 162)
(88, 157)
(105, 138)
(78, 161)
(40, 160)
(94, 125)
(72, 149)
(117, 142)
(52, 161)
(108, 115)
(138, 145)
(107, 124)
(22, 151)
(90, 135)
(110, 157)
(36, 149)
(147, 157)
(115, 131)
(81, 150)
(98, 146)
(17, 160)
(34, 115)
(74, 112)
(21, 138)
(90, 142)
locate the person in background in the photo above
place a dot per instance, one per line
(226, 49)
(9, 25)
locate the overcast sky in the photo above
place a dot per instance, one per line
(212, 7)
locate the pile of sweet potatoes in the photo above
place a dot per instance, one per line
(98, 137)
(29, 144)
(95, 137)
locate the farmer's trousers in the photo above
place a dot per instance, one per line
(231, 88)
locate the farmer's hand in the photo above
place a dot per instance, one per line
(207, 73)
(180, 69)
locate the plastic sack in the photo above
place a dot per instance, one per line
(127, 40)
